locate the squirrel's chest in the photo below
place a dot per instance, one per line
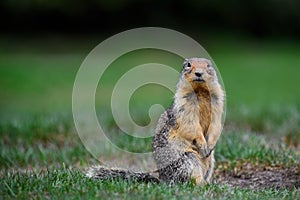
(196, 115)
(205, 115)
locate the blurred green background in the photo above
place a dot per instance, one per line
(255, 45)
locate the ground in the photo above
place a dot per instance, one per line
(258, 177)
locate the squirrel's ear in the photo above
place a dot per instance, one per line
(185, 61)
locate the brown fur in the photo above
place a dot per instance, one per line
(197, 107)
(204, 132)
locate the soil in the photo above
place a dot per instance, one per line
(259, 176)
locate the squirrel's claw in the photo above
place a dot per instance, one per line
(205, 152)
(202, 149)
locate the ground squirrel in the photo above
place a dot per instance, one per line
(186, 133)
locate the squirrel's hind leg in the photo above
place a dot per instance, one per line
(186, 168)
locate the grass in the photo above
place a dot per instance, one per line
(41, 155)
(70, 184)
(50, 165)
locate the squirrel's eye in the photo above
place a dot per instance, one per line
(188, 64)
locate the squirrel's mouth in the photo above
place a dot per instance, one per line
(199, 80)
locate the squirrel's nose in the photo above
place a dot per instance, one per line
(198, 74)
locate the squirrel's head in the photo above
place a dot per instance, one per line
(198, 71)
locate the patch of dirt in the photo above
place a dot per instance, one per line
(251, 176)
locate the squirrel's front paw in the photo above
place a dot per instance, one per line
(203, 149)
(205, 152)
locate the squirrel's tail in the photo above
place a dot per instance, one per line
(104, 173)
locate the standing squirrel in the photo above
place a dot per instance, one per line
(186, 133)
